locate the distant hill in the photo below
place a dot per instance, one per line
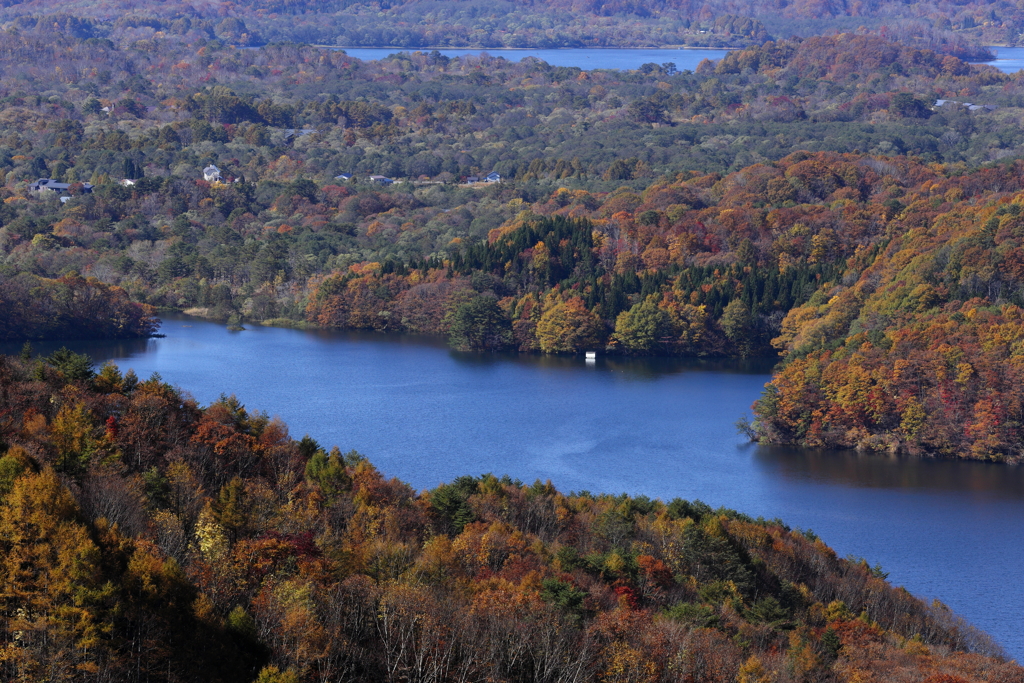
(955, 28)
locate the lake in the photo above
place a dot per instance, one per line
(584, 58)
(1008, 59)
(658, 427)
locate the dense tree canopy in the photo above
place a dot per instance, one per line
(953, 27)
(753, 202)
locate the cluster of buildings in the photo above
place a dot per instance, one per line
(970, 106)
(211, 174)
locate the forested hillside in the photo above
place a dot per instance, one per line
(642, 156)
(809, 196)
(70, 307)
(146, 538)
(954, 27)
(919, 348)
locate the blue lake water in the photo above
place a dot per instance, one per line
(1008, 59)
(584, 58)
(658, 427)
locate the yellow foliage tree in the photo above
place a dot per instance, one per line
(568, 327)
(51, 587)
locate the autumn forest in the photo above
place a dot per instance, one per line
(146, 538)
(845, 194)
(806, 197)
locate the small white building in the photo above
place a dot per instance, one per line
(211, 174)
(492, 177)
(381, 180)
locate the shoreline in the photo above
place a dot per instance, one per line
(513, 49)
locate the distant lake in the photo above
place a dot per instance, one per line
(584, 58)
(1008, 59)
(659, 427)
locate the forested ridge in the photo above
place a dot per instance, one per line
(921, 351)
(589, 144)
(954, 27)
(147, 538)
(750, 207)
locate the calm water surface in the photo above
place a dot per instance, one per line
(584, 58)
(1008, 59)
(662, 428)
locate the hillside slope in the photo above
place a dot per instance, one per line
(921, 351)
(955, 28)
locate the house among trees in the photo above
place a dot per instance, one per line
(211, 174)
(51, 185)
(343, 176)
(491, 177)
(381, 180)
(969, 105)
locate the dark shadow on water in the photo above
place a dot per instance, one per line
(173, 321)
(640, 368)
(100, 350)
(872, 470)
(636, 368)
(398, 339)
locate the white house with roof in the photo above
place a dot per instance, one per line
(211, 174)
(492, 177)
(381, 180)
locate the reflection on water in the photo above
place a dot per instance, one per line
(331, 336)
(98, 349)
(873, 470)
(638, 368)
(632, 368)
